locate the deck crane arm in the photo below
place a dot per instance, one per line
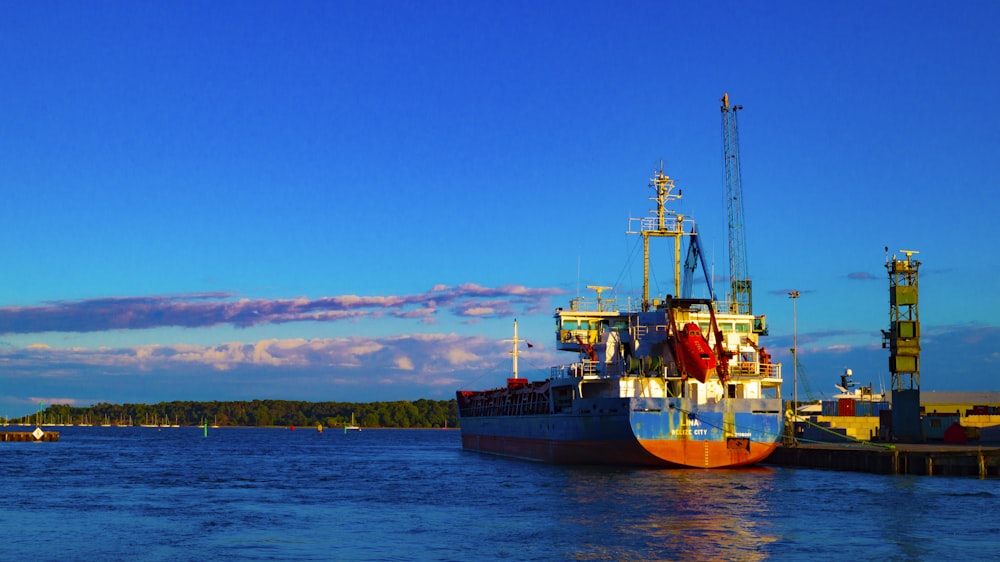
(695, 256)
(803, 379)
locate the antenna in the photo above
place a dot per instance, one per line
(600, 289)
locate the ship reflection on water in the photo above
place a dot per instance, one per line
(672, 514)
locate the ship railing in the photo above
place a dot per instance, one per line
(651, 224)
(773, 370)
(604, 304)
(630, 304)
(576, 336)
(529, 399)
(726, 307)
(585, 368)
(561, 371)
(755, 370)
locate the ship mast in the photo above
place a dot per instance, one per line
(666, 223)
(513, 350)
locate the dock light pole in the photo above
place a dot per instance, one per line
(794, 295)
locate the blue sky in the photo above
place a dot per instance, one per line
(352, 201)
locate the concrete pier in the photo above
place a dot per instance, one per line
(29, 435)
(917, 459)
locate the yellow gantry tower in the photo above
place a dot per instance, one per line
(903, 341)
(665, 223)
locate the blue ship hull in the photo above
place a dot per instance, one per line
(665, 432)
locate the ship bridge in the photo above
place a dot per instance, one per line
(583, 325)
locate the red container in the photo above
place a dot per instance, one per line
(845, 407)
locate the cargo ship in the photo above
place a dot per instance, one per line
(671, 382)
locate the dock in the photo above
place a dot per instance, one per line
(881, 458)
(37, 435)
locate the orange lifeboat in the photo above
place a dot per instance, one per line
(696, 355)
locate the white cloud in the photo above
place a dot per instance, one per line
(479, 311)
(460, 356)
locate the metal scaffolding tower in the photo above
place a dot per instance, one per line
(903, 341)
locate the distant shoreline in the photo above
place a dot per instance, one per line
(421, 413)
(283, 427)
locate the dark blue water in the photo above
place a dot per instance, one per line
(276, 494)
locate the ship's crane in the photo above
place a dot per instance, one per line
(740, 297)
(695, 257)
(803, 380)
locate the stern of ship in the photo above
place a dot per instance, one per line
(730, 433)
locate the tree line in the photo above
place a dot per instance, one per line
(261, 413)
